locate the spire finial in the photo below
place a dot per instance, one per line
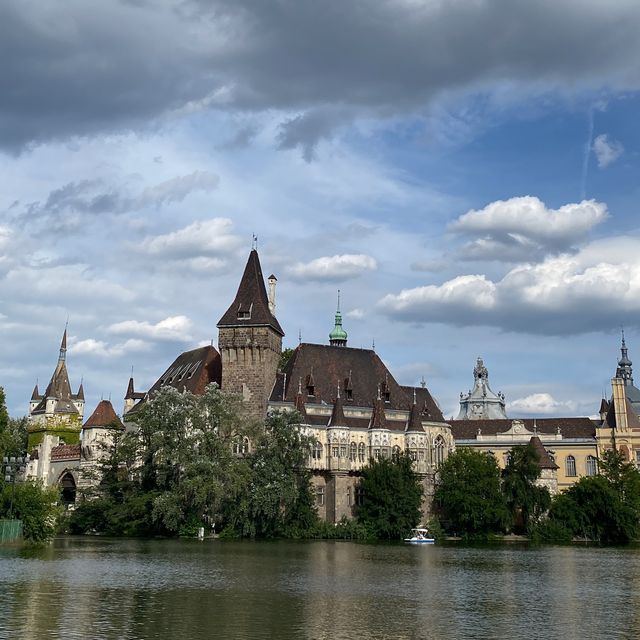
(378, 391)
(414, 395)
(63, 343)
(338, 307)
(338, 390)
(423, 382)
(299, 336)
(373, 344)
(254, 242)
(300, 385)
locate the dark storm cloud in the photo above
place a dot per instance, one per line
(74, 68)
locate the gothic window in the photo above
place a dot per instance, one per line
(438, 451)
(235, 447)
(376, 453)
(343, 450)
(386, 452)
(359, 496)
(320, 496)
(570, 466)
(335, 451)
(316, 451)
(420, 455)
(245, 445)
(353, 452)
(592, 466)
(413, 453)
(361, 452)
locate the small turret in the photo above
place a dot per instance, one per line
(337, 415)
(338, 337)
(378, 417)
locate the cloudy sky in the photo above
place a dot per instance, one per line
(466, 172)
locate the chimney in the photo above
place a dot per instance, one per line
(272, 294)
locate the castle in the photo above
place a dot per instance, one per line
(348, 400)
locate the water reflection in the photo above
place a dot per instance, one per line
(121, 589)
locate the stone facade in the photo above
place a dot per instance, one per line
(250, 357)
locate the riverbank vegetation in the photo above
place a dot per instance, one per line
(475, 500)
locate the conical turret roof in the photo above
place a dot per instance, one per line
(415, 418)
(103, 416)
(378, 417)
(337, 415)
(250, 307)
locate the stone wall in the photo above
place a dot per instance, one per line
(250, 357)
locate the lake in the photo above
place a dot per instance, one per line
(184, 590)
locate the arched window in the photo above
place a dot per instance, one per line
(592, 466)
(361, 452)
(68, 484)
(438, 451)
(570, 466)
(316, 451)
(245, 445)
(353, 451)
(235, 447)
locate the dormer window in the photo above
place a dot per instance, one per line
(349, 394)
(244, 312)
(311, 390)
(387, 396)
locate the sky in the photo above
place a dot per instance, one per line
(465, 172)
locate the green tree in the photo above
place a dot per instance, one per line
(469, 495)
(38, 507)
(392, 497)
(13, 431)
(275, 499)
(525, 500)
(285, 356)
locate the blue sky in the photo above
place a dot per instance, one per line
(465, 172)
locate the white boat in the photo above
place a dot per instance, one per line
(420, 536)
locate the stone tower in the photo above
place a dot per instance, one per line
(250, 340)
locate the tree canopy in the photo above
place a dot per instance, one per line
(468, 496)
(392, 497)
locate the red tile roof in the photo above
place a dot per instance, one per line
(65, 452)
(104, 415)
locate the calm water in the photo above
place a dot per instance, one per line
(186, 590)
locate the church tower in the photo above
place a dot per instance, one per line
(250, 340)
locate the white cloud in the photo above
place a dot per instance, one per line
(523, 228)
(607, 151)
(356, 314)
(595, 289)
(333, 268)
(201, 238)
(172, 328)
(99, 348)
(541, 403)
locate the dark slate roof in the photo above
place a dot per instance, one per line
(359, 370)
(191, 371)
(104, 415)
(569, 427)
(65, 452)
(415, 419)
(132, 394)
(252, 298)
(545, 461)
(36, 394)
(378, 418)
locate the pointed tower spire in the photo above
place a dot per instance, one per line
(36, 394)
(337, 415)
(415, 419)
(299, 403)
(378, 417)
(63, 344)
(80, 394)
(250, 307)
(338, 337)
(625, 369)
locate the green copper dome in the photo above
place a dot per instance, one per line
(338, 337)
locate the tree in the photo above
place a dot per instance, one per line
(392, 497)
(604, 508)
(37, 506)
(525, 500)
(469, 495)
(13, 431)
(276, 499)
